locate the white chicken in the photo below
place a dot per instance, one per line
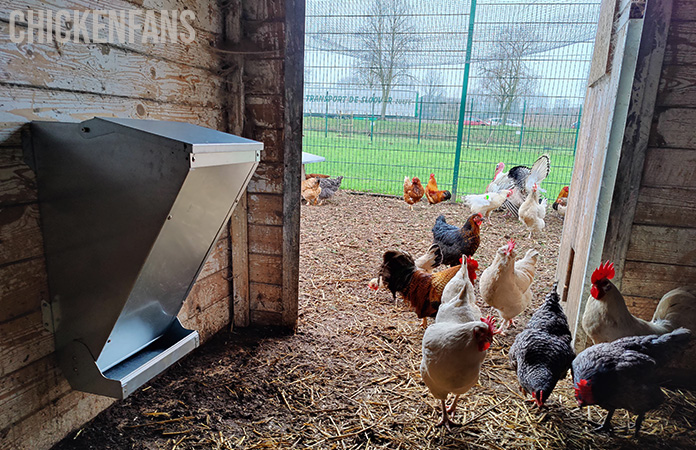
(505, 284)
(486, 203)
(607, 318)
(452, 355)
(458, 298)
(532, 213)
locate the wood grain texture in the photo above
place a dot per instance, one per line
(10, 156)
(656, 244)
(204, 293)
(23, 341)
(273, 141)
(264, 111)
(666, 206)
(266, 297)
(602, 45)
(19, 104)
(266, 269)
(292, 158)
(199, 53)
(20, 233)
(684, 11)
(677, 86)
(219, 258)
(17, 185)
(29, 389)
(266, 318)
(210, 320)
(641, 279)
(105, 70)
(680, 49)
(265, 209)
(632, 159)
(240, 263)
(643, 307)
(51, 423)
(670, 167)
(268, 179)
(24, 286)
(266, 240)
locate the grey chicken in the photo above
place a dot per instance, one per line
(329, 186)
(625, 373)
(541, 354)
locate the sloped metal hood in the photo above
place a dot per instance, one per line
(130, 211)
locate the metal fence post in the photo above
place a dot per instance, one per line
(577, 131)
(462, 104)
(524, 110)
(420, 119)
(326, 117)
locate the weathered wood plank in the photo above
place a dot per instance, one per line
(680, 49)
(199, 53)
(261, 76)
(638, 122)
(205, 292)
(268, 179)
(23, 341)
(17, 185)
(677, 87)
(684, 11)
(219, 259)
(670, 167)
(20, 233)
(663, 245)
(293, 77)
(210, 320)
(674, 128)
(272, 144)
(266, 318)
(10, 156)
(266, 269)
(10, 136)
(50, 424)
(265, 209)
(265, 111)
(29, 389)
(20, 104)
(641, 279)
(105, 70)
(266, 297)
(602, 46)
(240, 263)
(642, 307)
(671, 206)
(266, 240)
(23, 288)
(264, 10)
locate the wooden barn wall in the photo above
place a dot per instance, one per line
(270, 36)
(661, 253)
(242, 91)
(587, 189)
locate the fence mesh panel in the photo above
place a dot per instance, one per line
(397, 88)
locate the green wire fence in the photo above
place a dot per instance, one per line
(397, 88)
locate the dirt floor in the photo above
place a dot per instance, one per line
(348, 378)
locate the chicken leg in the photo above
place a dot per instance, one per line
(452, 408)
(606, 425)
(445, 420)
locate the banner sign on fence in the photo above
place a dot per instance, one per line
(358, 102)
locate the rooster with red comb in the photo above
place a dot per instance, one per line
(607, 318)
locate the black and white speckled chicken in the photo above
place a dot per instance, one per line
(520, 180)
(329, 186)
(541, 354)
(626, 373)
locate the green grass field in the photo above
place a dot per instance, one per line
(379, 162)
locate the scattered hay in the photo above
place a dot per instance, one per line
(349, 378)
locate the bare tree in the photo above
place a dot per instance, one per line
(385, 41)
(506, 76)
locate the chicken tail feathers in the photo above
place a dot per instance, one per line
(665, 346)
(540, 170)
(397, 270)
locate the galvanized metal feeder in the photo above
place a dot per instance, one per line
(130, 211)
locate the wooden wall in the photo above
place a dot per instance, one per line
(244, 90)
(661, 252)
